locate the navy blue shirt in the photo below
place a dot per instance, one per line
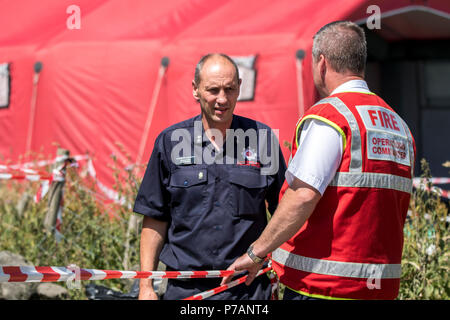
(214, 201)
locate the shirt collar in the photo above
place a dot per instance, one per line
(352, 86)
(234, 125)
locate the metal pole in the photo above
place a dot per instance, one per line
(55, 195)
(37, 71)
(300, 55)
(148, 122)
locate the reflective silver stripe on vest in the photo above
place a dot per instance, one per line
(337, 268)
(355, 148)
(371, 180)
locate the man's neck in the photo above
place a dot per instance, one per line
(222, 127)
(339, 79)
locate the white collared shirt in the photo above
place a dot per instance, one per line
(352, 86)
(320, 148)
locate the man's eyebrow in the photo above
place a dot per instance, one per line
(219, 85)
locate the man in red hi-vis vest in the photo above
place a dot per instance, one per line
(338, 230)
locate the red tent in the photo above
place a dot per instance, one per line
(98, 84)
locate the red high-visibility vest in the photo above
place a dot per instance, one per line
(351, 246)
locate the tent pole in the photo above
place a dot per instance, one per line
(151, 111)
(300, 55)
(37, 70)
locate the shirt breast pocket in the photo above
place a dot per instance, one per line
(187, 187)
(248, 191)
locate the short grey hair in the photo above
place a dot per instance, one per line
(205, 58)
(343, 44)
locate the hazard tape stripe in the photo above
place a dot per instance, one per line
(443, 193)
(127, 275)
(439, 180)
(32, 275)
(4, 277)
(209, 293)
(15, 274)
(49, 275)
(57, 274)
(30, 177)
(42, 163)
(23, 170)
(5, 176)
(91, 274)
(63, 272)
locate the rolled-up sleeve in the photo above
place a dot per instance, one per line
(153, 199)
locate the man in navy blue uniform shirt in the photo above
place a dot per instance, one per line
(206, 186)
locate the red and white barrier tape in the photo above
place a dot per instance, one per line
(30, 177)
(439, 191)
(443, 193)
(23, 170)
(59, 274)
(33, 175)
(274, 283)
(64, 274)
(42, 191)
(438, 180)
(41, 163)
(420, 183)
(209, 293)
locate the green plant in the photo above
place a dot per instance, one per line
(95, 233)
(425, 263)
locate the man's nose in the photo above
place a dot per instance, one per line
(222, 97)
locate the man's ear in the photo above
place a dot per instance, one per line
(195, 90)
(322, 67)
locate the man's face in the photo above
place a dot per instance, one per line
(217, 91)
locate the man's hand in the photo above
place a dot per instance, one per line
(244, 263)
(146, 292)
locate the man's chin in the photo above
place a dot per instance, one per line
(222, 118)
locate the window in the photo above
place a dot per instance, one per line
(247, 73)
(437, 83)
(4, 85)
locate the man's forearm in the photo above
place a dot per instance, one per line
(152, 240)
(296, 206)
(294, 209)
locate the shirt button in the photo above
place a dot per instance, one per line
(217, 204)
